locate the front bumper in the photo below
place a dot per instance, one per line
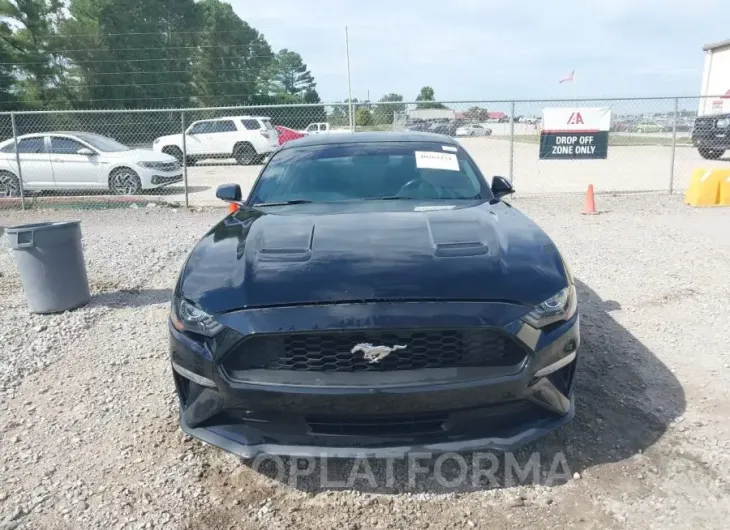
(378, 414)
(712, 140)
(165, 180)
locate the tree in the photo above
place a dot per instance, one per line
(27, 32)
(291, 76)
(130, 53)
(339, 116)
(426, 95)
(387, 107)
(232, 59)
(7, 79)
(477, 114)
(141, 54)
(363, 116)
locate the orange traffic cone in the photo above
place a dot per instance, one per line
(590, 205)
(232, 207)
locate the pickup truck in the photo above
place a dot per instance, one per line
(323, 127)
(711, 135)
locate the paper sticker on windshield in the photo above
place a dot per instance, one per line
(450, 148)
(433, 160)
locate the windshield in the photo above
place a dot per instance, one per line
(370, 171)
(102, 143)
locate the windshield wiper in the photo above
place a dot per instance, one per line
(283, 203)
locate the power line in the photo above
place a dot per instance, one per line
(183, 83)
(165, 72)
(154, 48)
(160, 32)
(151, 99)
(139, 60)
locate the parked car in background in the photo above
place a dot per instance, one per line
(446, 127)
(473, 129)
(84, 161)
(287, 135)
(418, 125)
(648, 127)
(248, 139)
(711, 135)
(323, 127)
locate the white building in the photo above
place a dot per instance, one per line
(716, 79)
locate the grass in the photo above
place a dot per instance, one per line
(614, 139)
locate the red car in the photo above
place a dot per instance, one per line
(286, 134)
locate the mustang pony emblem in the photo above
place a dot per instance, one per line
(373, 354)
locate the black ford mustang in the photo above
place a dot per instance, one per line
(373, 296)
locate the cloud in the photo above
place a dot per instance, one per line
(474, 49)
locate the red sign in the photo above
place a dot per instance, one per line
(575, 118)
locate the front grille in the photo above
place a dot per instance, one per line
(346, 351)
(705, 124)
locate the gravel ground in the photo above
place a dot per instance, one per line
(88, 426)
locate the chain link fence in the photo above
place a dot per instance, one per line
(131, 158)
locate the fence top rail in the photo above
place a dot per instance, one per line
(358, 103)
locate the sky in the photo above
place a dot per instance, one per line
(489, 49)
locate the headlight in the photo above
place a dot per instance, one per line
(723, 122)
(562, 306)
(161, 166)
(186, 317)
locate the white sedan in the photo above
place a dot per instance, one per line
(473, 130)
(82, 161)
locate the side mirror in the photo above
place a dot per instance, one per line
(501, 187)
(85, 151)
(229, 192)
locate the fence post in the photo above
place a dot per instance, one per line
(674, 145)
(17, 161)
(184, 157)
(512, 144)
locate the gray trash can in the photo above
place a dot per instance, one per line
(51, 263)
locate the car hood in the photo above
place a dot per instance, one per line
(169, 138)
(141, 155)
(322, 254)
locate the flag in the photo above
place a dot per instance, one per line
(569, 77)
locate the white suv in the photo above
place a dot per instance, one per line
(248, 139)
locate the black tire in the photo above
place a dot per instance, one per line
(710, 154)
(9, 185)
(173, 150)
(124, 181)
(244, 154)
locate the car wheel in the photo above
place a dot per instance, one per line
(244, 154)
(9, 185)
(124, 181)
(710, 154)
(175, 151)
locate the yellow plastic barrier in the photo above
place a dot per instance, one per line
(725, 191)
(709, 187)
